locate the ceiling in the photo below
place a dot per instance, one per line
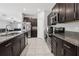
(13, 11)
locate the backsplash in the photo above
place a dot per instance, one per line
(70, 26)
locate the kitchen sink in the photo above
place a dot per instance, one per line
(10, 34)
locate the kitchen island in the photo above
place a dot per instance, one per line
(13, 43)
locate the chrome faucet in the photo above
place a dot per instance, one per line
(6, 30)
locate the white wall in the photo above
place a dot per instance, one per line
(46, 19)
(40, 25)
(71, 26)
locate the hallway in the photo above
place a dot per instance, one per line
(36, 47)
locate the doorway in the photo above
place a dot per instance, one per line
(33, 25)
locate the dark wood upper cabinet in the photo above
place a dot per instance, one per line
(56, 8)
(70, 11)
(77, 11)
(61, 12)
(48, 20)
(66, 12)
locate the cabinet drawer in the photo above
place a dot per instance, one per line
(69, 46)
(7, 43)
(69, 49)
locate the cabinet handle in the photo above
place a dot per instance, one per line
(8, 44)
(67, 46)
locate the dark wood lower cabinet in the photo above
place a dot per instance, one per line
(16, 48)
(13, 47)
(6, 50)
(54, 48)
(63, 48)
(59, 47)
(77, 51)
(22, 43)
(18, 45)
(49, 43)
(69, 49)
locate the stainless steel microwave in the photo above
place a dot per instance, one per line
(54, 19)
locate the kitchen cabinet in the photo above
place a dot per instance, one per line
(49, 20)
(63, 48)
(69, 49)
(77, 11)
(13, 47)
(49, 43)
(22, 42)
(70, 11)
(77, 51)
(6, 49)
(56, 8)
(57, 47)
(54, 47)
(16, 47)
(66, 12)
(62, 12)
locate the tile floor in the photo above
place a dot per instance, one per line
(36, 47)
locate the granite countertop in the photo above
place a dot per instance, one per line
(70, 37)
(8, 37)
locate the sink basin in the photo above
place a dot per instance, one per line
(11, 34)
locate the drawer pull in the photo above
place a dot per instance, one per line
(8, 44)
(67, 46)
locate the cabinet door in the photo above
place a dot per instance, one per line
(54, 46)
(77, 10)
(69, 49)
(6, 50)
(22, 43)
(56, 8)
(69, 12)
(59, 47)
(61, 13)
(67, 52)
(16, 47)
(77, 51)
(49, 20)
(49, 43)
